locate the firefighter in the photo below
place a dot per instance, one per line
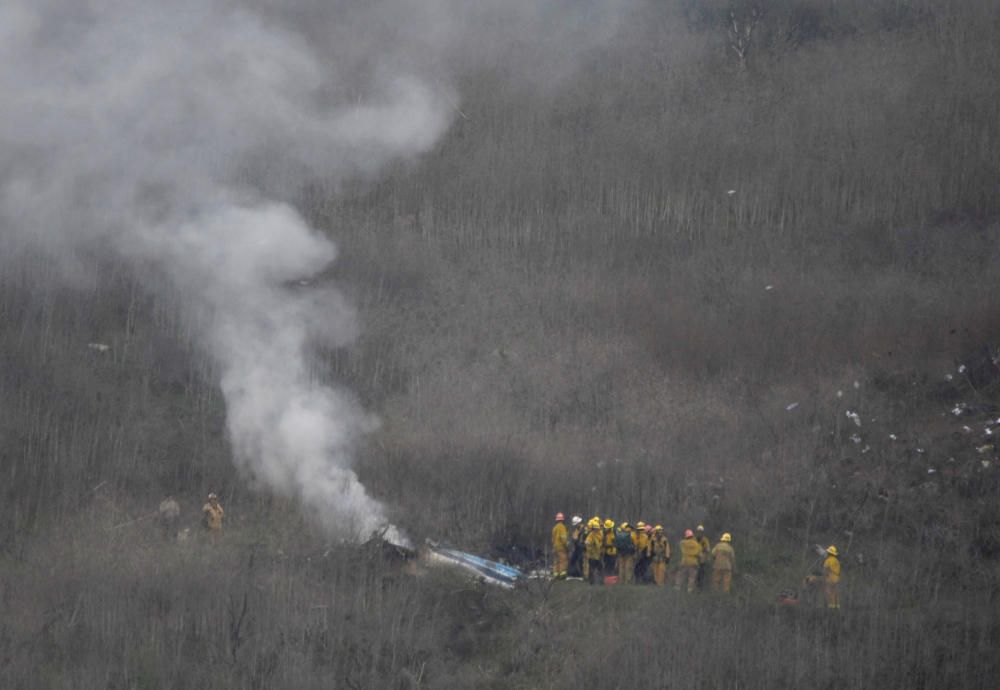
(691, 558)
(625, 544)
(560, 553)
(577, 534)
(831, 578)
(593, 551)
(212, 515)
(610, 552)
(660, 547)
(706, 549)
(643, 551)
(723, 563)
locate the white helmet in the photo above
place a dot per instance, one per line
(577, 520)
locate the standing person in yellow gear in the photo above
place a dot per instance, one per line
(660, 546)
(625, 544)
(723, 563)
(610, 552)
(593, 551)
(691, 557)
(706, 549)
(643, 551)
(831, 578)
(212, 515)
(560, 548)
(577, 533)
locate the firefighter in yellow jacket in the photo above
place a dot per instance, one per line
(212, 516)
(691, 557)
(643, 551)
(723, 559)
(560, 547)
(610, 552)
(660, 546)
(625, 543)
(593, 551)
(831, 578)
(706, 550)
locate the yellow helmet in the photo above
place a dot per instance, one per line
(609, 523)
(832, 550)
(594, 523)
(624, 524)
(727, 537)
(640, 525)
(658, 528)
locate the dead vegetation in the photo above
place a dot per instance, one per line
(647, 294)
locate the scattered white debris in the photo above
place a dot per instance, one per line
(989, 432)
(857, 385)
(961, 369)
(865, 449)
(768, 287)
(948, 377)
(731, 192)
(792, 406)
(985, 463)
(100, 347)
(840, 394)
(855, 438)
(932, 471)
(892, 437)
(920, 450)
(855, 417)
(966, 429)
(958, 409)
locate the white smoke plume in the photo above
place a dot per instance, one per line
(170, 135)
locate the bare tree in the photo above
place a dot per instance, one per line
(744, 17)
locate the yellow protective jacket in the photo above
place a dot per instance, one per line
(594, 545)
(723, 557)
(706, 547)
(660, 547)
(213, 516)
(609, 543)
(560, 537)
(642, 545)
(690, 551)
(831, 568)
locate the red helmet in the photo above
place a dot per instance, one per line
(688, 534)
(560, 517)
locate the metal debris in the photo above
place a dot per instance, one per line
(855, 417)
(855, 438)
(792, 406)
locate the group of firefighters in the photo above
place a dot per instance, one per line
(169, 518)
(629, 554)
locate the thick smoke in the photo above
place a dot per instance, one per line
(170, 134)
